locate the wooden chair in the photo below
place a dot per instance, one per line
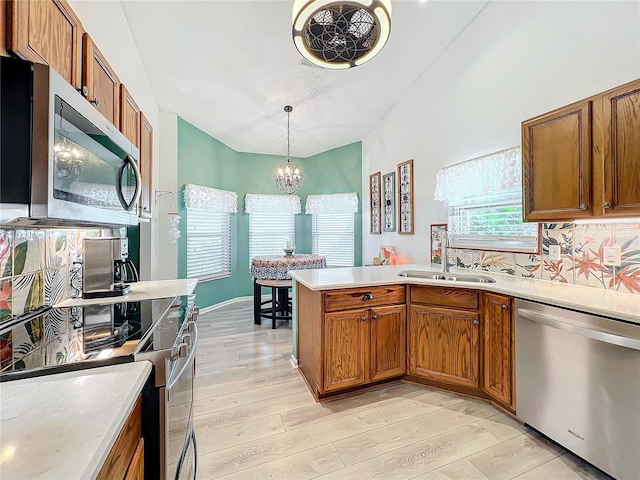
(279, 306)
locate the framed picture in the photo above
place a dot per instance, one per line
(389, 202)
(438, 231)
(374, 197)
(405, 197)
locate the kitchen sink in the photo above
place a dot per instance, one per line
(449, 277)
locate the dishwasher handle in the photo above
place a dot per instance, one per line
(561, 324)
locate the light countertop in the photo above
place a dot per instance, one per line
(142, 291)
(63, 426)
(623, 306)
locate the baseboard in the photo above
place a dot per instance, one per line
(294, 361)
(216, 306)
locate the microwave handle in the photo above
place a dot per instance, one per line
(128, 206)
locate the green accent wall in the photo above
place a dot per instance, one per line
(203, 160)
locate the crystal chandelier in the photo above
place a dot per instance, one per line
(288, 176)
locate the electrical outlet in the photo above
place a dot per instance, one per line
(612, 256)
(554, 253)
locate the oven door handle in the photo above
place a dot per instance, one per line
(175, 375)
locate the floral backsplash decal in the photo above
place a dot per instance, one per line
(581, 257)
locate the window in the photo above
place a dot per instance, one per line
(208, 244)
(209, 231)
(271, 222)
(332, 236)
(485, 203)
(333, 230)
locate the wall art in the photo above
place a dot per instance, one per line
(405, 197)
(438, 231)
(389, 202)
(374, 197)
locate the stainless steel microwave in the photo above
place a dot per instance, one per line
(61, 162)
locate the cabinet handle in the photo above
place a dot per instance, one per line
(84, 91)
(583, 206)
(503, 307)
(367, 296)
(94, 102)
(476, 322)
(606, 204)
(364, 319)
(375, 316)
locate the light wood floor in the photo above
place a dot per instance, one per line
(256, 419)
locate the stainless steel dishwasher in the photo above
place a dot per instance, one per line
(578, 382)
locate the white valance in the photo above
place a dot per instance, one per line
(212, 199)
(332, 203)
(493, 174)
(259, 203)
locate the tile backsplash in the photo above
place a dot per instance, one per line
(581, 257)
(39, 267)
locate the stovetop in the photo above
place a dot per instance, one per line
(102, 333)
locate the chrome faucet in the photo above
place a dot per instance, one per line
(444, 256)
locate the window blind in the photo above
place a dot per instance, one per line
(332, 235)
(269, 233)
(208, 244)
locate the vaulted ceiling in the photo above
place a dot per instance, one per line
(230, 67)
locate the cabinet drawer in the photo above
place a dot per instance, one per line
(445, 296)
(363, 297)
(117, 462)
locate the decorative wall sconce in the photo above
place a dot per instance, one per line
(173, 217)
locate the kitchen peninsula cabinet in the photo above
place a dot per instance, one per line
(351, 338)
(498, 354)
(101, 82)
(46, 31)
(443, 335)
(583, 160)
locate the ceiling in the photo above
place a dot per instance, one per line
(230, 67)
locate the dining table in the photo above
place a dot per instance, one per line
(277, 267)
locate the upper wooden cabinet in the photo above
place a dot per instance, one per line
(617, 151)
(129, 117)
(146, 166)
(46, 31)
(499, 365)
(101, 82)
(583, 160)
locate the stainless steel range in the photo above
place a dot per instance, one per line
(163, 331)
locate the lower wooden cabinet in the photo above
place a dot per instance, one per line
(136, 467)
(363, 346)
(498, 380)
(443, 345)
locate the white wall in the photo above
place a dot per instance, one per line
(106, 24)
(515, 61)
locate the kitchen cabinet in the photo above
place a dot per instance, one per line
(129, 117)
(583, 160)
(101, 82)
(46, 31)
(127, 453)
(443, 335)
(3, 28)
(498, 354)
(146, 166)
(351, 337)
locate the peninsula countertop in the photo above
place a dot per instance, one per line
(64, 425)
(623, 306)
(145, 290)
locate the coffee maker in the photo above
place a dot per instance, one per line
(106, 269)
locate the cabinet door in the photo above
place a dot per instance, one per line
(346, 349)
(617, 147)
(146, 165)
(46, 31)
(498, 348)
(556, 164)
(129, 117)
(443, 345)
(103, 86)
(3, 29)
(388, 342)
(136, 467)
